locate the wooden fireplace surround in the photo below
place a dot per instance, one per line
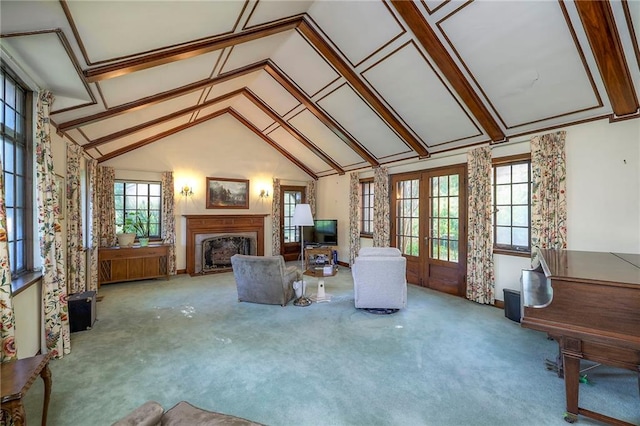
(216, 224)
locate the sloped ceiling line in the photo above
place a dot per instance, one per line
(428, 39)
(600, 27)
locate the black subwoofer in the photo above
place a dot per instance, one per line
(82, 311)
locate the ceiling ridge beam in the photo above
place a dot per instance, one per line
(159, 136)
(272, 143)
(599, 25)
(292, 131)
(163, 119)
(324, 118)
(193, 49)
(160, 97)
(445, 63)
(356, 83)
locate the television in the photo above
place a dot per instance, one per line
(324, 232)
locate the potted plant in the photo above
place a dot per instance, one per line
(135, 224)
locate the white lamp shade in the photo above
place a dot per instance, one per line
(302, 215)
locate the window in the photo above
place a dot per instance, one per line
(366, 207)
(290, 199)
(511, 200)
(15, 114)
(408, 217)
(140, 197)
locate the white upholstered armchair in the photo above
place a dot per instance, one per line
(379, 278)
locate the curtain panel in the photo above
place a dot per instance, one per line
(76, 261)
(354, 216)
(54, 286)
(169, 220)
(275, 218)
(381, 225)
(93, 225)
(548, 196)
(311, 196)
(480, 272)
(7, 316)
(105, 213)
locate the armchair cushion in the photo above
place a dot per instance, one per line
(379, 278)
(264, 279)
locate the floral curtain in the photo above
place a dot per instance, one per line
(105, 213)
(275, 218)
(548, 196)
(76, 262)
(354, 216)
(480, 272)
(7, 318)
(311, 196)
(169, 220)
(381, 225)
(93, 225)
(54, 286)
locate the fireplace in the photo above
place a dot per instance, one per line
(213, 239)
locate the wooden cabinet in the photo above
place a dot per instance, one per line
(117, 264)
(317, 256)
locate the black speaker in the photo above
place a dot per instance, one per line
(512, 304)
(82, 311)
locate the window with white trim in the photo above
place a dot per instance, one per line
(139, 197)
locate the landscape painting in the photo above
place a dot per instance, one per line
(227, 193)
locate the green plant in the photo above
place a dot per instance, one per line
(137, 223)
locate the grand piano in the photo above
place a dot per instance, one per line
(588, 302)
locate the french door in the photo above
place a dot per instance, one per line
(429, 227)
(290, 235)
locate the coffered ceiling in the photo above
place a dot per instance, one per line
(333, 86)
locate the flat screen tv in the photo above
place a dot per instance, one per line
(324, 232)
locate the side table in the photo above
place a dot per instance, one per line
(17, 378)
(321, 272)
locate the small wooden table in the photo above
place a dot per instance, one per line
(320, 272)
(17, 378)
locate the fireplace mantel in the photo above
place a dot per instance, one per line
(204, 224)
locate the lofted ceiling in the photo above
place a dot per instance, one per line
(334, 86)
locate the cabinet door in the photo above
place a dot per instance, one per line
(119, 269)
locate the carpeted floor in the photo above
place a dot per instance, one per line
(442, 361)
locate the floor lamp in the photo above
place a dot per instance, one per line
(302, 217)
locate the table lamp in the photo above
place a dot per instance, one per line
(302, 217)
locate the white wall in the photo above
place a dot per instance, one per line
(603, 192)
(222, 147)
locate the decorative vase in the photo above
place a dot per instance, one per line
(143, 241)
(126, 239)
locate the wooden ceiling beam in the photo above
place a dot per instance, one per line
(160, 97)
(436, 50)
(190, 50)
(157, 137)
(273, 144)
(602, 33)
(292, 131)
(274, 72)
(356, 83)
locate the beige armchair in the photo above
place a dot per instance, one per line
(264, 279)
(379, 279)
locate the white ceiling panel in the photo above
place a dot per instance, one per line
(359, 29)
(254, 51)
(357, 117)
(299, 151)
(252, 113)
(232, 85)
(143, 134)
(270, 91)
(218, 106)
(272, 10)
(151, 81)
(113, 29)
(420, 97)
(304, 65)
(506, 47)
(324, 138)
(142, 115)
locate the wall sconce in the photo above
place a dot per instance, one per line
(186, 191)
(264, 193)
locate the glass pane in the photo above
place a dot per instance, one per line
(118, 188)
(521, 193)
(503, 235)
(434, 248)
(415, 208)
(444, 228)
(130, 188)
(444, 186)
(453, 251)
(520, 237)
(503, 216)
(19, 126)
(130, 202)
(444, 250)
(415, 188)
(10, 223)
(454, 231)
(154, 203)
(9, 196)
(8, 159)
(155, 189)
(20, 95)
(10, 92)
(520, 172)
(19, 197)
(20, 160)
(19, 218)
(119, 216)
(1, 110)
(143, 188)
(444, 207)
(503, 194)
(434, 228)
(503, 174)
(10, 122)
(119, 202)
(454, 209)
(406, 208)
(19, 255)
(521, 216)
(415, 227)
(454, 185)
(434, 207)
(415, 247)
(143, 203)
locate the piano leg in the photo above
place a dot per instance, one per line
(571, 384)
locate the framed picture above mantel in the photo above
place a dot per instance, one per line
(223, 193)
